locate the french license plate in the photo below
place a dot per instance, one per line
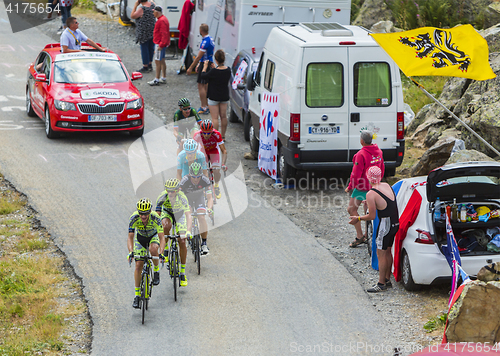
(95, 118)
(324, 130)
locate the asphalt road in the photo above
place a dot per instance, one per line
(267, 288)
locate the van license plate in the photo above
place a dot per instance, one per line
(95, 118)
(324, 129)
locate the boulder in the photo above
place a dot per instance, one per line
(384, 27)
(434, 157)
(371, 12)
(475, 316)
(467, 156)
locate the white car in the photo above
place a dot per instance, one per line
(422, 260)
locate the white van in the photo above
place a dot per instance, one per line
(333, 81)
(242, 24)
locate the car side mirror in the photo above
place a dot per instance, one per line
(40, 77)
(250, 81)
(136, 75)
(240, 86)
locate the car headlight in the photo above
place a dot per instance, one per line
(64, 105)
(136, 104)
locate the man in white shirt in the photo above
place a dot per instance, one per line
(72, 38)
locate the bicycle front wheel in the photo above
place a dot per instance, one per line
(197, 258)
(144, 293)
(175, 274)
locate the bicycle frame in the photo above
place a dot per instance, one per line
(174, 259)
(196, 243)
(146, 286)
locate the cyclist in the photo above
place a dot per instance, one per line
(174, 206)
(145, 228)
(184, 127)
(211, 142)
(194, 185)
(189, 155)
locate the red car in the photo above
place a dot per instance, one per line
(83, 91)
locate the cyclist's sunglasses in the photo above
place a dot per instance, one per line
(143, 213)
(195, 177)
(206, 133)
(172, 191)
(186, 109)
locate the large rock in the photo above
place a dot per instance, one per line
(371, 12)
(467, 156)
(475, 317)
(435, 157)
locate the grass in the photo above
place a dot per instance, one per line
(414, 97)
(32, 283)
(436, 323)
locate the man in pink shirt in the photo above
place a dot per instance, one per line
(161, 38)
(369, 155)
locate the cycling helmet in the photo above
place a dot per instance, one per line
(184, 102)
(172, 184)
(195, 169)
(206, 125)
(190, 145)
(144, 206)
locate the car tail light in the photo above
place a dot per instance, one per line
(295, 127)
(424, 237)
(400, 126)
(253, 50)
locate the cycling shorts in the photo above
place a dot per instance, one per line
(141, 241)
(214, 158)
(181, 225)
(386, 232)
(197, 200)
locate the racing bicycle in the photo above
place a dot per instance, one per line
(195, 241)
(174, 260)
(146, 288)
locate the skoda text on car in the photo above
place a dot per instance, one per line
(475, 185)
(83, 91)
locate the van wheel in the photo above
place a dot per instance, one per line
(247, 122)
(254, 143)
(407, 279)
(285, 171)
(123, 12)
(232, 115)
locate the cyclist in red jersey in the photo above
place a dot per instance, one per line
(212, 145)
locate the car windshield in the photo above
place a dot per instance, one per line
(83, 71)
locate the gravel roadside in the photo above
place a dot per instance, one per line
(318, 209)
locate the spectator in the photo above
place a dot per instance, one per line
(381, 198)
(161, 38)
(145, 20)
(369, 155)
(53, 8)
(218, 90)
(65, 6)
(72, 38)
(205, 53)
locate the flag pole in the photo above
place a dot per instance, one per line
(455, 116)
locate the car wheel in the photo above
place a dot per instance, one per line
(123, 12)
(254, 143)
(137, 133)
(29, 108)
(48, 126)
(285, 171)
(232, 115)
(247, 122)
(407, 278)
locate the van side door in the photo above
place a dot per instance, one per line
(324, 103)
(373, 100)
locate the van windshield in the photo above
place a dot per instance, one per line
(372, 84)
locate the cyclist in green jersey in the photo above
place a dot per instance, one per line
(174, 206)
(184, 127)
(145, 228)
